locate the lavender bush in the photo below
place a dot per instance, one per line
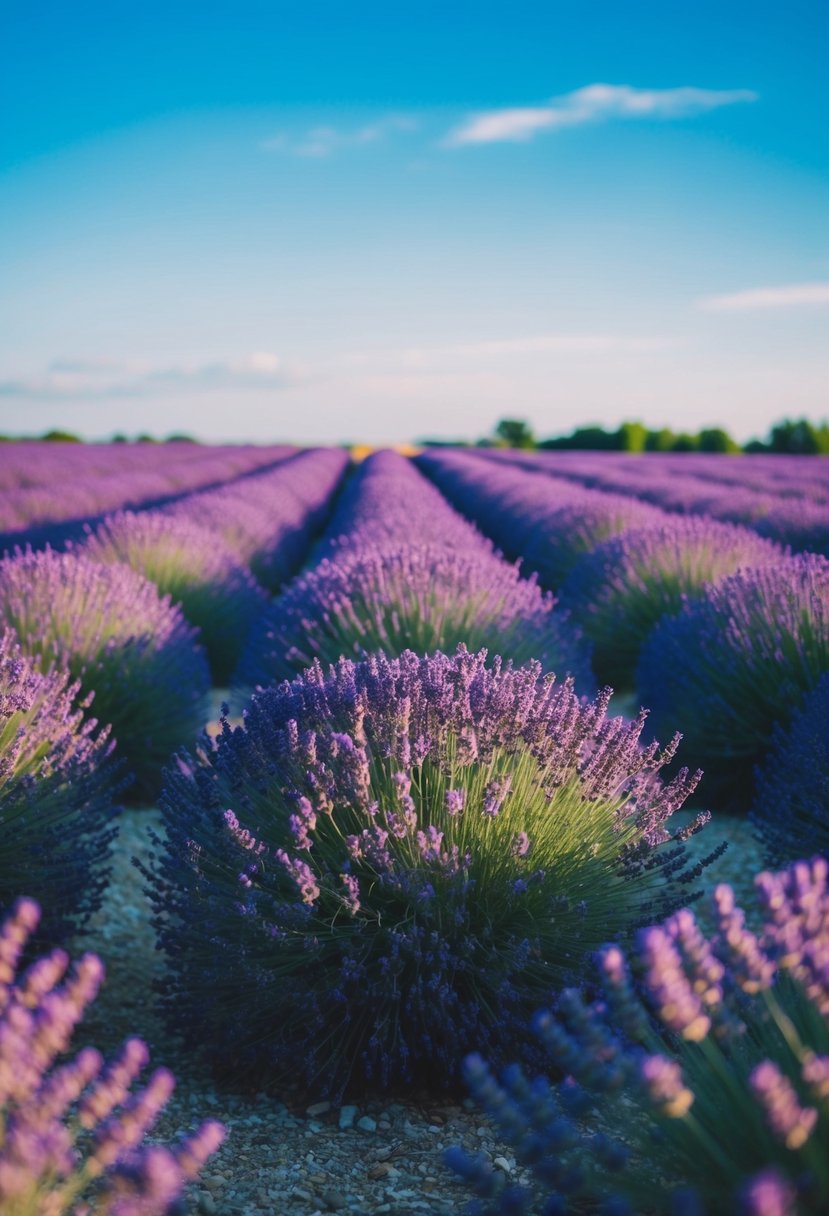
(698, 1084)
(421, 598)
(71, 1132)
(391, 863)
(619, 591)
(126, 645)
(736, 661)
(791, 807)
(195, 569)
(57, 785)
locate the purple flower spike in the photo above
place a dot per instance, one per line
(58, 786)
(128, 647)
(44, 1163)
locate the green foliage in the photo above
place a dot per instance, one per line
(514, 433)
(60, 437)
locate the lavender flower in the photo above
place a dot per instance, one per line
(491, 828)
(57, 786)
(791, 806)
(195, 569)
(544, 520)
(269, 519)
(730, 1118)
(735, 662)
(410, 597)
(71, 1132)
(620, 590)
(125, 644)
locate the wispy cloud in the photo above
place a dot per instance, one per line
(322, 141)
(791, 295)
(594, 103)
(93, 379)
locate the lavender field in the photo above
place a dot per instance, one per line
(456, 828)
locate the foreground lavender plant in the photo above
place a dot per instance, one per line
(57, 786)
(195, 569)
(396, 861)
(736, 661)
(71, 1132)
(791, 807)
(619, 591)
(407, 597)
(112, 631)
(704, 1085)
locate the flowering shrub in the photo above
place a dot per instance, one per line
(113, 632)
(394, 862)
(791, 808)
(57, 784)
(71, 1132)
(619, 591)
(735, 661)
(547, 521)
(268, 519)
(704, 1086)
(196, 570)
(421, 598)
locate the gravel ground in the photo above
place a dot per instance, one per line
(281, 1156)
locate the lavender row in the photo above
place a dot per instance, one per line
(30, 463)
(71, 494)
(545, 521)
(719, 632)
(799, 517)
(399, 569)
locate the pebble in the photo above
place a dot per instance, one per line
(318, 1108)
(347, 1116)
(367, 1124)
(501, 1163)
(333, 1199)
(206, 1204)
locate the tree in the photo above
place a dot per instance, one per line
(632, 437)
(715, 439)
(514, 433)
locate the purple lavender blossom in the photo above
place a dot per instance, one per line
(71, 1132)
(57, 787)
(731, 1118)
(125, 644)
(268, 519)
(544, 520)
(410, 597)
(195, 569)
(618, 592)
(736, 661)
(361, 887)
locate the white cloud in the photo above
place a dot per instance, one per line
(791, 295)
(321, 141)
(78, 379)
(594, 103)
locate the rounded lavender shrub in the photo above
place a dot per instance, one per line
(195, 568)
(130, 647)
(420, 598)
(574, 529)
(618, 592)
(57, 785)
(706, 1071)
(736, 661)
(71, 1131)
(791, 807)
(397, 861)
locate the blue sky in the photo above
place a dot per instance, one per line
(326, 221)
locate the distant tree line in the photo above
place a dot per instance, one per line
(798, 437)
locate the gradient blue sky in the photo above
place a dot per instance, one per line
(330, 221)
